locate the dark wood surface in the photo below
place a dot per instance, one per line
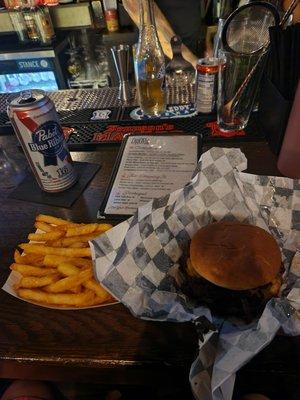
(109, 345)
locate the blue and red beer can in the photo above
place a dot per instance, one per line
(35, 122)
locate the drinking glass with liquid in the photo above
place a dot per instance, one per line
(149, 64)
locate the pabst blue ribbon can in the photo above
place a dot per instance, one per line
(35, 121)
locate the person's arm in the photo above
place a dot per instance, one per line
(164, 29)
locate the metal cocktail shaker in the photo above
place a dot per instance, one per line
(120, 55)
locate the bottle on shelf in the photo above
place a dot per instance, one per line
(31, 20)
(38, 21)
(29, 12)
(149, 64)
(17, 19)
(44, 24)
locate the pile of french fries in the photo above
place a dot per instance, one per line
(56, 265)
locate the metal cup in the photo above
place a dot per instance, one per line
(121, 54)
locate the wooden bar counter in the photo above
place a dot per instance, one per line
(108, 345)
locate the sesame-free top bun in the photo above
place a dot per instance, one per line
(235, 255)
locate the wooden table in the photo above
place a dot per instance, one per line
(108, 345)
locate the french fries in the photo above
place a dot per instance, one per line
(83, 299)
(52, 220)
(38, 281)
(29, 270)
(87, 229)
(79, 245)
(99, 290)
(43, 226)
(70, 282)
(43, 237)
(59, 251)
(66, 242)
(57, 270)
(53, 261)
(29, 259)
(68, 269)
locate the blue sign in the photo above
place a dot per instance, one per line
(33, 64)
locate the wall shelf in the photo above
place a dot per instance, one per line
(68, 16)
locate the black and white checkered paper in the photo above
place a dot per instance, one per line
(138, 261)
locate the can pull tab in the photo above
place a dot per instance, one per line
(26, 97)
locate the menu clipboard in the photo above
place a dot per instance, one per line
(147, 167)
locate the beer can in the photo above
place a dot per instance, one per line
(206, 84)
(35, 122)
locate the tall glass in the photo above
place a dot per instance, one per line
(149, 64)
(236, 100)
(19, 24)
(10, 172)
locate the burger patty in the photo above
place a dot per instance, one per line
(243, 304)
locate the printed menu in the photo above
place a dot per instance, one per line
(150, 167)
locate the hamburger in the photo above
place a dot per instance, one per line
(233, 268)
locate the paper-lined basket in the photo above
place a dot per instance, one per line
(138, 261)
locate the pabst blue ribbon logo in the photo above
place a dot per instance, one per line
(48, 140)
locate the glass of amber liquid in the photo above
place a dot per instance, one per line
(149, 64)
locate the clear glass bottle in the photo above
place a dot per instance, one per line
(149, 64)
(44, 24)
(19, 24)
(180, 74)
(17, 19)
(33, 32)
